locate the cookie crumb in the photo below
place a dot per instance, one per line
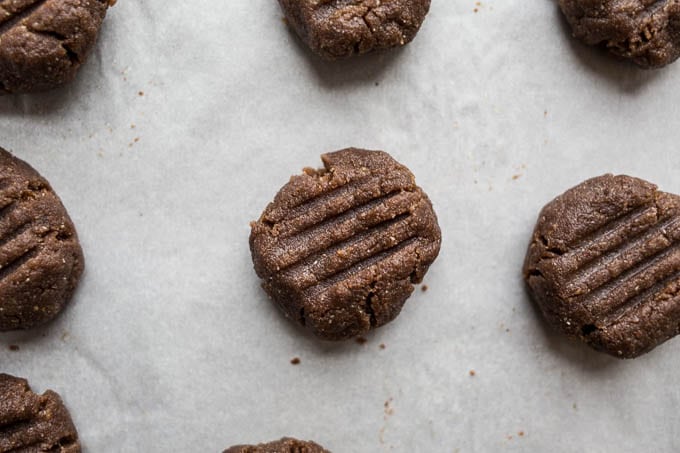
(424, 288)
(516, 177)
(473, 373)
(361, 340)
(13, 347)
(520, 434)
(295, 361)
(389, 410)
(382, 346)
(141, 93)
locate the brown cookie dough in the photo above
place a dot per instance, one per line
(34, 423)
(337, 29)
(44, 42)
(604, 264)
(340, 248)
(285, 445)
(40, 258)
(645, 31)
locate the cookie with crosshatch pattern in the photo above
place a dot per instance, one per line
(604, 264)
(40, 257)
(43, 43)
(34, 423)
(340, 248)
(285, 445)
(336, 29)
(646, 32)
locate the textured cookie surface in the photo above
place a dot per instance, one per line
(604, 264)
(337, 29)
(340, 248)
(44, 42)
(285, 445)
(645, 31)
(31, 423)
(40, 258)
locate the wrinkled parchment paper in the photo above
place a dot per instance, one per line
(185, 122)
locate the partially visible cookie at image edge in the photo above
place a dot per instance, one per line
(604, 264)
(644, 31)
(340, 248)
(285, 445)
(43, 43)
(34, 423)
(40, 257)
(336, 29)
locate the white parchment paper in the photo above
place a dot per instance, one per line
(185, 122)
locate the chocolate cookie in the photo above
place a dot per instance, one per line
(340, 248)
(604, 264)
(44, 42)
(40, 257)
(645, 31)
(285, 445)
(34, 423)
(337, 29)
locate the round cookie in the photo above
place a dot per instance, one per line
(644, 31)
(44, 42)
(340, 248)
(285, 445)
(40, 258)
(337, 29)
(34, 423)
(604, 264)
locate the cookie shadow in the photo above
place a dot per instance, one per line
(36, 104)
(49, 332)
(310, 342)
(64, 97)
(616, 71)
(577, 353)
(356, 70)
